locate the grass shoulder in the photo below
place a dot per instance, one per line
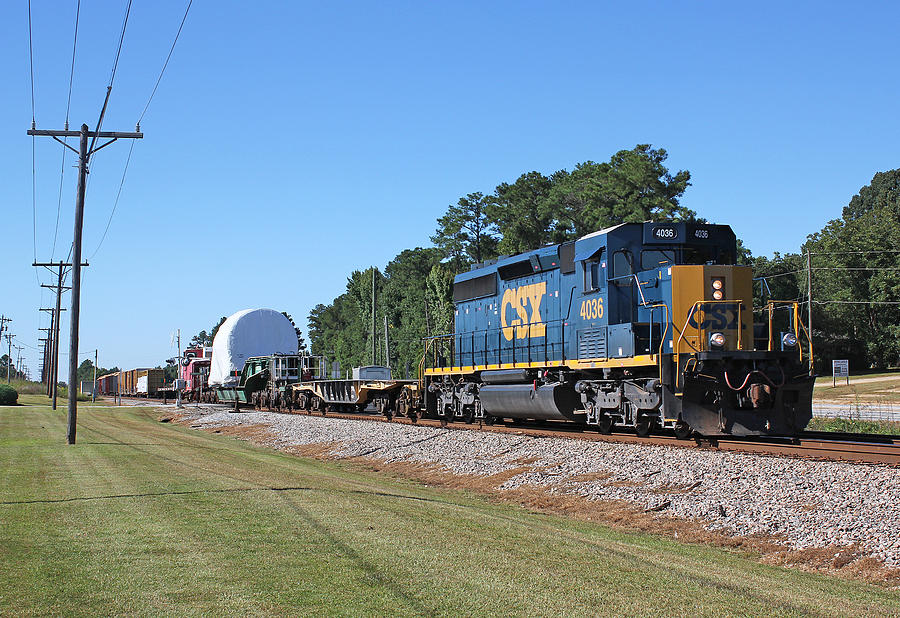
(150, 518)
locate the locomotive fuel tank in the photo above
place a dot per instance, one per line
(555, 401)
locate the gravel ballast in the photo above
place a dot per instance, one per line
(804, 503)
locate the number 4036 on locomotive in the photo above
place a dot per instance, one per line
(643, 325)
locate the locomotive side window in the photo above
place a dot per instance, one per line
(622, 267)
(593, 272)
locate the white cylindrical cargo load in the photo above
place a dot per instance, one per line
(251, 332)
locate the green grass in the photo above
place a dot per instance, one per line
(844, 425)
(25, 387)
(145, 518)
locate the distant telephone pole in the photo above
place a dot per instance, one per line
(3, 326)
(387, 345)
(9, 339)
(373, 315)
(60, 269)
(19, 360)
(84, 154)
(178, 373)
(809, 308)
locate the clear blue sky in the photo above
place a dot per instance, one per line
(291, 142)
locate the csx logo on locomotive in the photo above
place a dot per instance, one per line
(526, 301)
(715, 316)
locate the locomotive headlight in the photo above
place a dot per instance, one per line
(717, 340)
(717, 294)
(789, 340)
(717, 284)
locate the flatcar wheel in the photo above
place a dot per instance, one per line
(683, 431)
(643, 427)
(489, 420)
(605, 425)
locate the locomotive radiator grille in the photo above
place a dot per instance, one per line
(592, 343)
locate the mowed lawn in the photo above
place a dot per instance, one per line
(146, 518)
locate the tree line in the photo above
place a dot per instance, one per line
(854, 262)
(414, 292)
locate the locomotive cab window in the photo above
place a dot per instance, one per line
(699, 255)
(594, 278)
(654, 258)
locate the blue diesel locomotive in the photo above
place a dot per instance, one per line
(643, 325)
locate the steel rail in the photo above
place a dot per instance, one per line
(857, 448)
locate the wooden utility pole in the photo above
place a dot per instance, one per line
(9, 339)
(19, 360)
(387, 345)
(3, 321)
(178, 373)
(45, 356)
(84, 155)
(60, 270)
(373, 315)
(94, 389)
(809, 308)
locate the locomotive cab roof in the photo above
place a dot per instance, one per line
(650, 245)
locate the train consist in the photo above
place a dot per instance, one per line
(642, 325)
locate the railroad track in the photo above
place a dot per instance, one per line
(860, 448)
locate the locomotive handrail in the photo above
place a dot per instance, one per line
(640, 291)
(662, 340)
(513, 348)
(796, 323)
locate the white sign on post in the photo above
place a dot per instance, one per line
(840, 369)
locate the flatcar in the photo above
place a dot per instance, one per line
(643, 325)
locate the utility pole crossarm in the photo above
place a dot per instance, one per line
(115, 134)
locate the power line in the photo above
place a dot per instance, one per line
(72, 70)
(31, 61)
(776, 275)
(146, 107)
(856, 302)
(877, 268)
(112, 78)
(166, 63)
(116, 203)
(33, 147)
(62, 168)
(855, 252)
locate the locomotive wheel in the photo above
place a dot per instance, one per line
(605, 424)
(443, 421)
(643, 427)
(683, 431)
(413, 417)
